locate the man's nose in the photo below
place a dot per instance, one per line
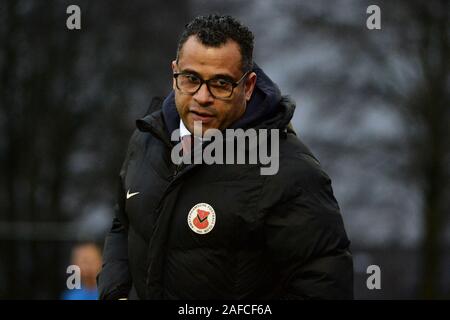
(203, 96)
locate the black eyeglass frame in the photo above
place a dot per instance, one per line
(202, 81)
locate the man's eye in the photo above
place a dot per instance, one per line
(192, 78)
(221, 83)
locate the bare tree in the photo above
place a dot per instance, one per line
(402, 69)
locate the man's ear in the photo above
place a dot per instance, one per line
(250, 85)
(174, 69)
(174, 65)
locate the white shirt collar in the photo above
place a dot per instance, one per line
(183, 130)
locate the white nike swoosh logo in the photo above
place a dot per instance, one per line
(129, 195)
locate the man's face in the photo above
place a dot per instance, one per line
(207, 63)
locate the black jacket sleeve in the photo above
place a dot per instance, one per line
(307, 241)
(114, 281)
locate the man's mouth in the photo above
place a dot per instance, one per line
(201, 116)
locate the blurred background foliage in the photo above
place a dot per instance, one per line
(373, 105)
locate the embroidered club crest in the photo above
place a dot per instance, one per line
(201, 218)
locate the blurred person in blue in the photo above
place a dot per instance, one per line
(87, 257)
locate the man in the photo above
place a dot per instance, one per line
(88, 258)
(223, 231)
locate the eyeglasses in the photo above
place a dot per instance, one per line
(219, 88)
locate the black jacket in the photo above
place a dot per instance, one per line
(275, 236)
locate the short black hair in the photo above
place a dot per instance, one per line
(214, 30)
